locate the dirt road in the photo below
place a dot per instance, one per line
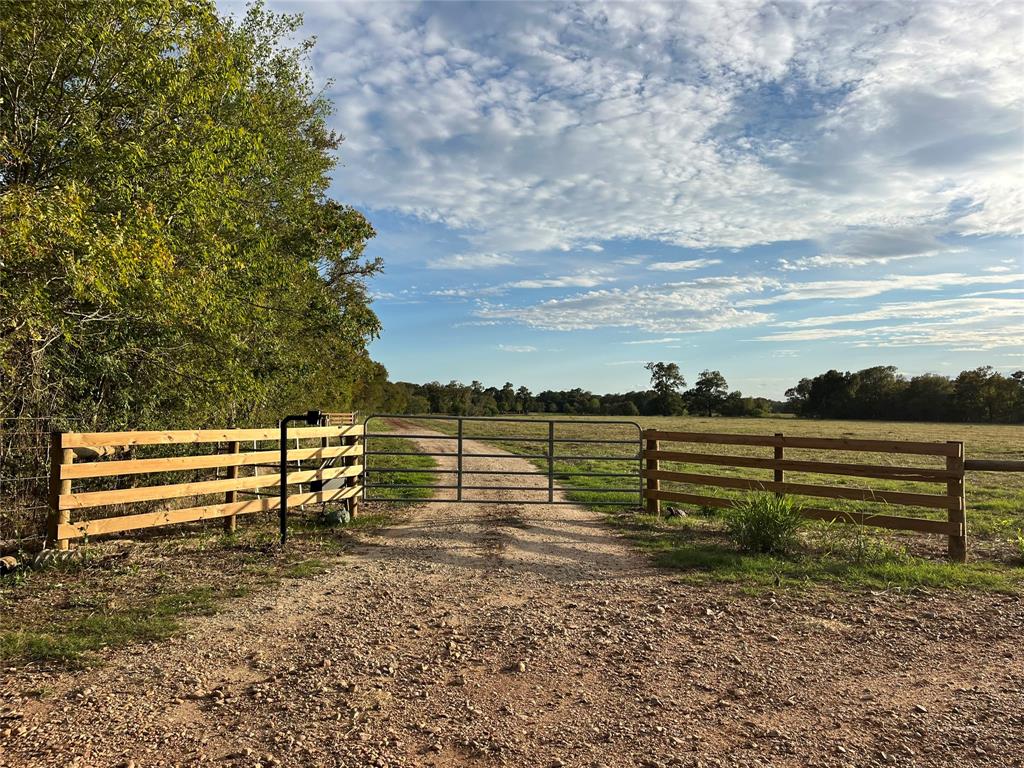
(534, 636)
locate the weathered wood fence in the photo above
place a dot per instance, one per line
(131, 478)
(950, 477)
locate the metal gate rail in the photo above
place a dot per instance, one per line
(550, 456)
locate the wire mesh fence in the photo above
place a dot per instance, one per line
(24, 477)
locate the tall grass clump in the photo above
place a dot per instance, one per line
(763, 523)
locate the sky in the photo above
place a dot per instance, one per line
(563, 192)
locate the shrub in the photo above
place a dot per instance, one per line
(764, 523)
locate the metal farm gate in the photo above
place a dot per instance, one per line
(555, 446)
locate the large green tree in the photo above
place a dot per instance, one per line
(667, 381)
(708, 394)
(168, 251)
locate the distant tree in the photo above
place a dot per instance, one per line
(524, 400)
(928, 397)
(972, 398)
(798, 398)
(623, 408)
(506, 398)
(708, 394)
(667, 382)
(418, 404)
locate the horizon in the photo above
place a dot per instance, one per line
(563, 193)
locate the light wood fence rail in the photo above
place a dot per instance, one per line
(341, 461)
(950, 477)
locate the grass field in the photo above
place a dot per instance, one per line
(995, 501)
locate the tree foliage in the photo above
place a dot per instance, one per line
(667, 381)
(708, 395)
(980, 395)
(880, 392)
(169, 251)
(477, 400)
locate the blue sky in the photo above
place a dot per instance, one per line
(563, 192)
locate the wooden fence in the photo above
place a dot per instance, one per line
(104, 450)
(950, 476)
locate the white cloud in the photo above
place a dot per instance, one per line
(516, 348)
(471, 261)
(699, 305)
(566, 281)
(675, 266)
(961, 309)
(666, 340)
(536, 126)
(960, 324)
(859, 289)
(593, 248)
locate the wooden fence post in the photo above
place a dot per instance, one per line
(653, 484)
(59, 456)
(231, 521)
(955, 489)
(780, 454)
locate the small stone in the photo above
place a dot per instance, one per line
(521, 666)
(8, 564)
(920, 708)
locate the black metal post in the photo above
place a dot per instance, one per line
(458, 492)
(312, 418)
(640, 470)
(551, 461)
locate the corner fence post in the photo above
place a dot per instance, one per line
(956, 490)
(780, 454)
(59, 456)
(230, 497)
(653, 484)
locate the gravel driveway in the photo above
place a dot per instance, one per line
(520, 635)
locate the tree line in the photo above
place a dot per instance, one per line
(666, 397)
(169, 254)
(978, 395)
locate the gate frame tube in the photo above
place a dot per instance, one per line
(549, 455)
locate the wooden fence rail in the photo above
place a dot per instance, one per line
(342, 461)
(950, 476)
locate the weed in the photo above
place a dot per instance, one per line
(71, 640)
(306, 569)
(763, 523)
